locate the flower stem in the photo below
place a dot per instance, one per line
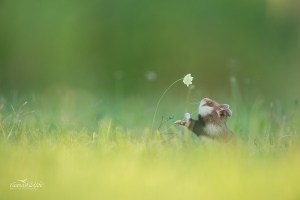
(188, 99)
(160, 100)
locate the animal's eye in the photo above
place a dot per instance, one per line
(210, 103)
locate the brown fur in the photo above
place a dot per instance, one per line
(212, 125)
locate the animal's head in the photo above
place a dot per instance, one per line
(210, 107)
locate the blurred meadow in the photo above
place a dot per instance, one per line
(92, 73)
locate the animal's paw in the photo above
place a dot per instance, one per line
(179, 122)
(187, 116)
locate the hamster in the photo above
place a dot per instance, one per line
(211, 122)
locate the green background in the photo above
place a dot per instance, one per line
(92, 44)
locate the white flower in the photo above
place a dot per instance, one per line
(188, 80)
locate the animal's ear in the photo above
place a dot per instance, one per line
(223, 110)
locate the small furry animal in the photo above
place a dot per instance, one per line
(211, 123)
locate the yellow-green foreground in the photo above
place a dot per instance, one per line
(116, 165)
(77, 153)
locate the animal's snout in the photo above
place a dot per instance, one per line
(203, 101)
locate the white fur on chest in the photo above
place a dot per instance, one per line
(212, 129)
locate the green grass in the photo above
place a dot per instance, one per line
(78, 153)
